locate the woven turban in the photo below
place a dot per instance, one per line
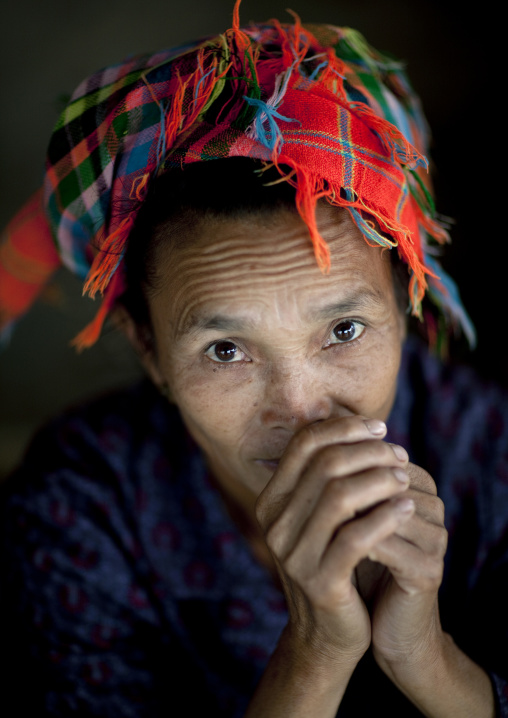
(339, 120)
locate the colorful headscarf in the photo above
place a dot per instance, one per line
(339, 120)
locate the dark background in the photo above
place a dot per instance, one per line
(48, 47)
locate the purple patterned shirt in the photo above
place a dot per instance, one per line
(127, 590)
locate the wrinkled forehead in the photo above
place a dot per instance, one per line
(268, 237)
(265, 265)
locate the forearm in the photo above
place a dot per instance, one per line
(299, 682)
(447, 684)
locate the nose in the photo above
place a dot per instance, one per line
(295, 396)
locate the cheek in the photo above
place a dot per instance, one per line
(381, 377)
(368, 381)
(216, 407)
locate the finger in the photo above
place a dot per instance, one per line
(338, 460)
(431, 538)
(421, 480)
(312, 438)
(302, 490)
(314, 515)
(413, 569)
(357, 539)
(330, 464)
(429, 507)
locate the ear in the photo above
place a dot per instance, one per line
(143, 345)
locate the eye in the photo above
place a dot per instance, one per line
(225, 352)
(346, 331)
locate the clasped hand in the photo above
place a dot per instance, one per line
(358, 539)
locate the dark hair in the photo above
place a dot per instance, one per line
(236, 187)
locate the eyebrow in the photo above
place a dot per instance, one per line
(215, 322)
(357, 301)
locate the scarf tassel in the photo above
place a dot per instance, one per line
(89, 335)
(310, 189)
(108, 258)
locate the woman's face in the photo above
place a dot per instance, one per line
(255, 342)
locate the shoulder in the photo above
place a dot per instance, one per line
(108, 435)
(93, 466)
(76, 583)
(98, 490)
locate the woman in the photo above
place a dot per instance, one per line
(251, 539)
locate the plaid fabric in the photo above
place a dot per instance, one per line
(25, 264)
(315, 99)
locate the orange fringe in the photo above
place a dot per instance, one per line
(89, 335)
(242, 40)
(107, 258)
(309, 190)
(307, 196)
(139, 187)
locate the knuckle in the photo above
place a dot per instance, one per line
(431, 507)
(425, 575)
(330, 459)
(338, 499)
(443, 541)
(412, 576)
(353, 537)
(431, 578)
(302, 573)
(436, 573)
(385, 475)
(379, 453)
(440, 509)
(262, 511)
(306, 439)
(350, 427)
(440, 542)
(293, 569)
(270, 519)
(421, 479)
(273, 538)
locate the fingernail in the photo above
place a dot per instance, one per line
(375, 426)
(405, 506)
(401, 476)
(400, 452)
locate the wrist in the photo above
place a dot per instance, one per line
(420, 649)
(316, 652)
(443, 681)
(418, 663)
(301, 679)
(311, 654)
